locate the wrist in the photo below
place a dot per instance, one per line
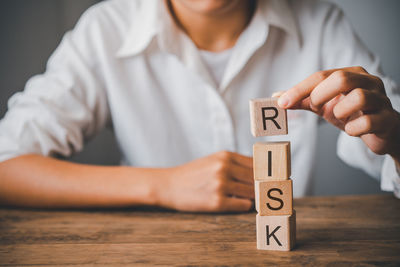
(159, 193)
(145, 185)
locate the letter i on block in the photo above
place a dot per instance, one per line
(271, 161)
(267, 118)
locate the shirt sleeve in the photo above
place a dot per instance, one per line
(59, 109)
(341, 47)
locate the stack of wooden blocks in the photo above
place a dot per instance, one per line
(276, 219)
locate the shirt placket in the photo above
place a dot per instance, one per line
(221, 119)
(221, 122)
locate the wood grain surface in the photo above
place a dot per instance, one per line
(334, 231)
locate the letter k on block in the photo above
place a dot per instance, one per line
(276, 232)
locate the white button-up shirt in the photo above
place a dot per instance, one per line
(127, 64)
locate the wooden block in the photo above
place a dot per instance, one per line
(274, 198)
(267, 118)
(276, 232)
(271, 161)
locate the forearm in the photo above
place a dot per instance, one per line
(37, 181)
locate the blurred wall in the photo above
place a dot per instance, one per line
(31, 30)
(377, 22)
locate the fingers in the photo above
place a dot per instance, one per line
(237, 179)
(236, 158)
(294, 96)
(303, 104)
(231, 204)
(232, 189)
(234, 166)
(241, 174)
(240, 190)
(359, 100)
(282, 102)
(242, 160)
(302, 90)
(277, 94)
(339, 82)
(365, 124)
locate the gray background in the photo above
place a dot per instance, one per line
(31, 30)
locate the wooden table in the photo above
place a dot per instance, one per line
(335, 231)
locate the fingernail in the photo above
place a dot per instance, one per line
(277, 94)
(283, 101)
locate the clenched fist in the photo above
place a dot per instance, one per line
(221, 182)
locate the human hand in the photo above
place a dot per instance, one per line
(221, 182)
(354, 101)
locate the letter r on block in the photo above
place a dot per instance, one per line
(267, 118)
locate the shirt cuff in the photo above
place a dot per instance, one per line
(390, 176)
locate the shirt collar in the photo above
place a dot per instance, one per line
(152, 19)
(144, 26)
(279, 13)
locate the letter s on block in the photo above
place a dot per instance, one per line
(275, 198)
